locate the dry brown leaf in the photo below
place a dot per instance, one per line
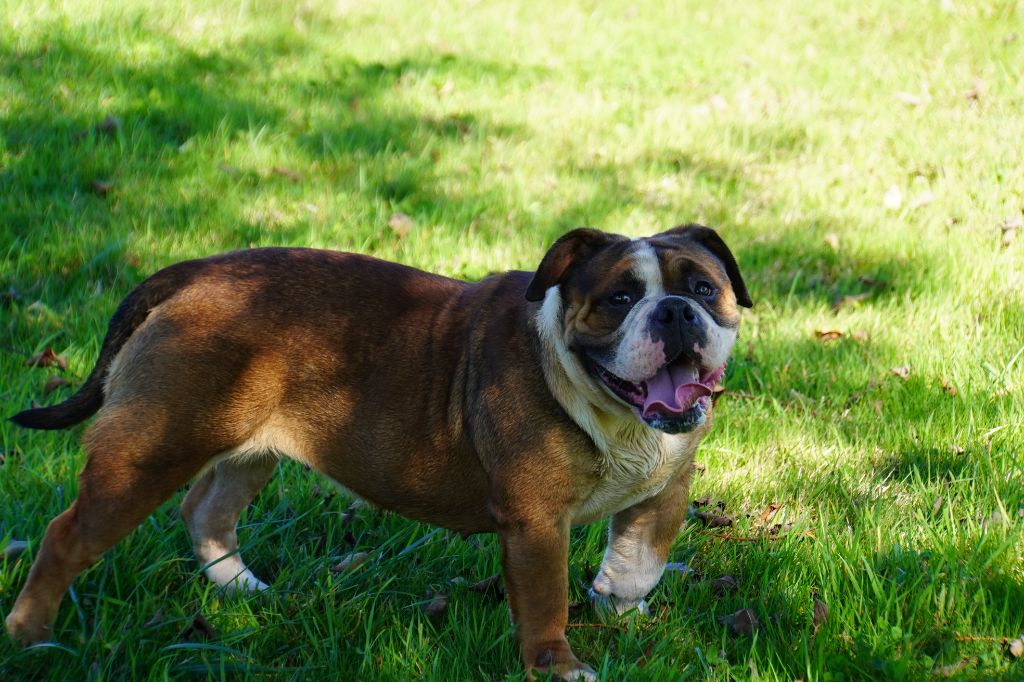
(400, 224)
(436, 607)
(351, 562)
(491, 587)
(1009, 228)
(902, 372)
(848, 300)
(47, 359)
(937, 507)
(199, 628)
(702, 501)
(742, 622)
(287, 173)
(828, 335)
(724, 584)
(54, 383)
(820, 614)
(101, 187)
(766, 516)
(713, 520)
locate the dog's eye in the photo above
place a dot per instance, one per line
(620, 298)
(703, 289)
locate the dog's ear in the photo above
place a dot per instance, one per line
(710, 240)
(562, 256)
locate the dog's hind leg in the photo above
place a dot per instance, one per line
(211, 510)
(135, 462)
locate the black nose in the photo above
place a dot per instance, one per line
(673, 310)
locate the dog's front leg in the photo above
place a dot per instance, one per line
(638, 543)
(535, 557)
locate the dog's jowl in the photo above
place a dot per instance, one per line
(523, 404)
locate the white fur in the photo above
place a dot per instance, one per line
(638, 356)
(629, 571)
(636, 460)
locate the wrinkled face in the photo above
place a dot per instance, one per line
(652, 322)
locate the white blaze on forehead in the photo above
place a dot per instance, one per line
(647, 268)
(638, 356)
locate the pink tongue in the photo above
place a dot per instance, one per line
(671, 391)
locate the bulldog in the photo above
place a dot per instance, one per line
(523, 404)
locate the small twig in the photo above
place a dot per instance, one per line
(597, 626)
(981, 638)
(809, 533)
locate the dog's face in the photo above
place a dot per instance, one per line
(646, 325)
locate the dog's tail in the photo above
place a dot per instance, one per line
(129, 315)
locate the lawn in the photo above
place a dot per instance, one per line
(863, 159)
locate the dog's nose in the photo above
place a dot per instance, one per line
(672, 311)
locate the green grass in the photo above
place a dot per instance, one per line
(496, 127)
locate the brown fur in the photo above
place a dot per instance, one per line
(421, 394)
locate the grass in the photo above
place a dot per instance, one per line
(859, 157)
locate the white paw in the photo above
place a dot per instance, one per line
(586, 674)
(610, 603)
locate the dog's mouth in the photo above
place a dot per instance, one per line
(675, 399)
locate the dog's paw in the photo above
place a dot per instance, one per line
(612, 604)
(582, 673)
(23, 631)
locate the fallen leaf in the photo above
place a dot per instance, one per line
(848, 300)
(828, 335)
(101, 187)
(832, 239)
(349, 514)
(902, 372)
(400, 224)
(54, 383)
(1008, 229)
(286, 173)
(779, 528)
(820, 614)
(766, 516)
(724, 584)
(350, 562)
(973, 93)
(910, 99)
(702, 501)
(13, 549)
(491, 587)
(199, 628)
(436, 607)
(47, 359)
(1016, 647)
(742, 622)
(713, 520)
(947, 386)
(937, 507)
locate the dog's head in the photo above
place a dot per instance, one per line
(642, 325)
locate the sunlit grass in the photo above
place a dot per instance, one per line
(859, 157)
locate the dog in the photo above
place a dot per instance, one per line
(523, 404)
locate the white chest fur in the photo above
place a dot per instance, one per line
(634, 464)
